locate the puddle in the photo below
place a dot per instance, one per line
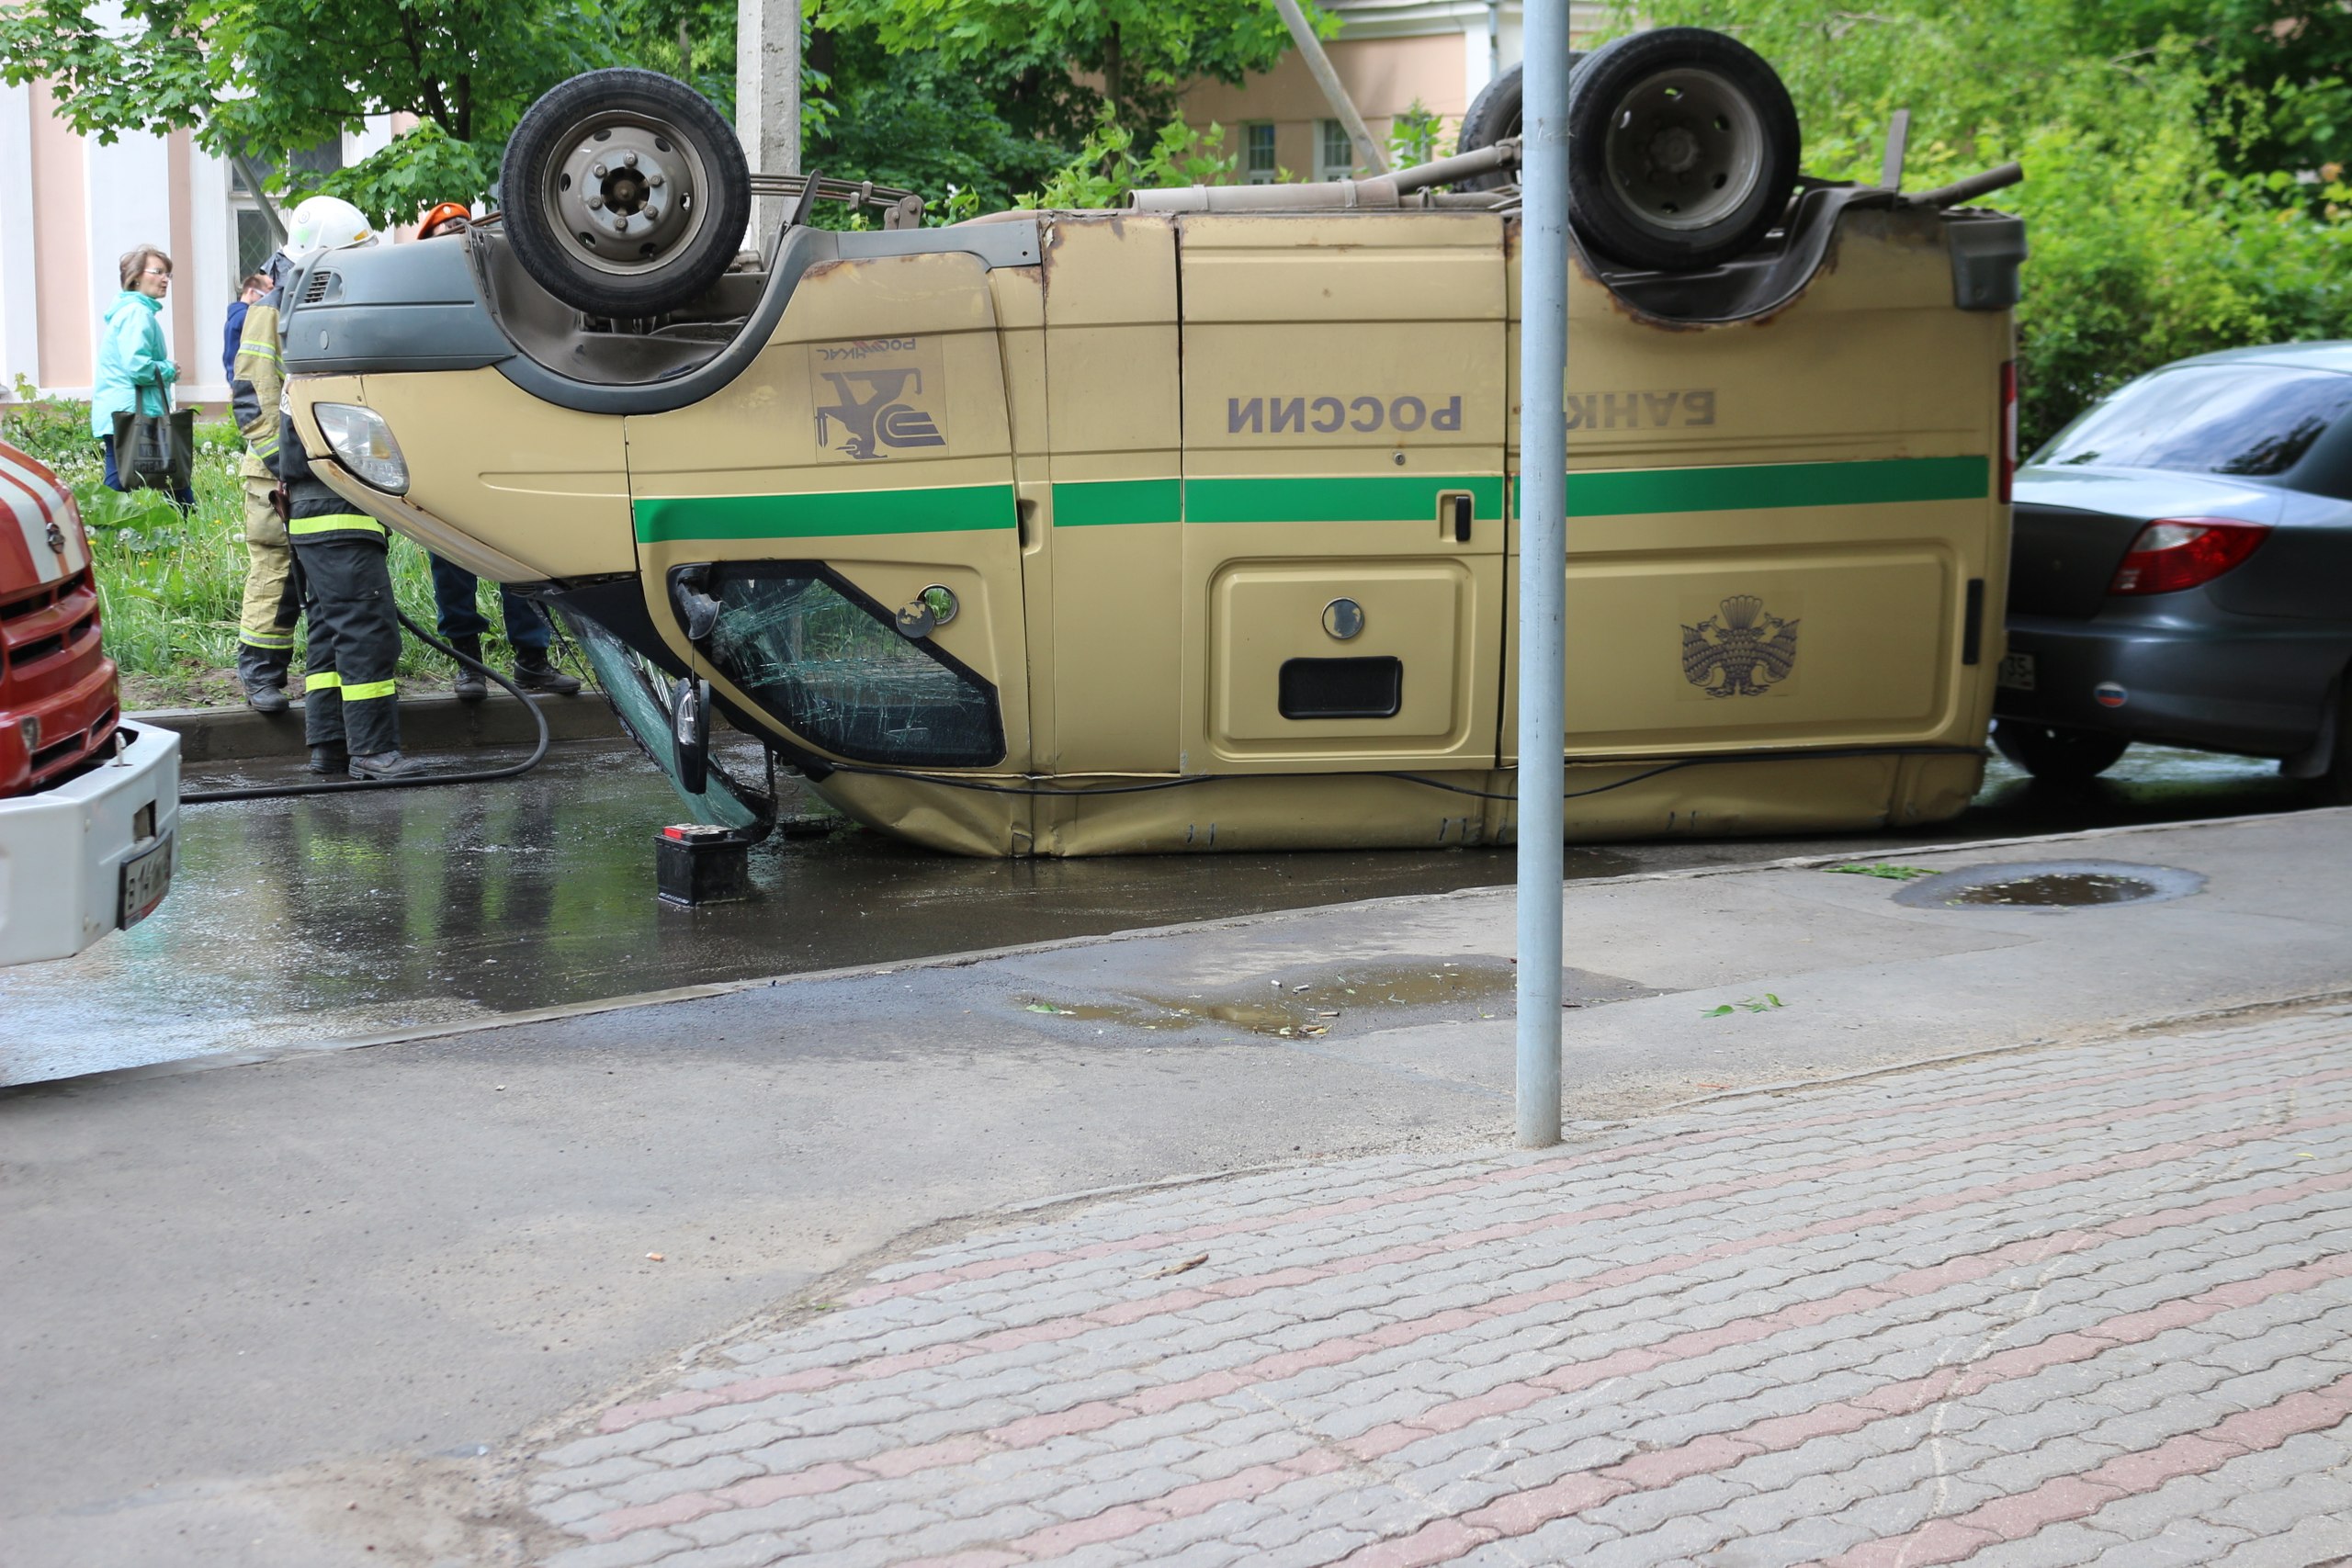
(2052, 886)
(1308, 1006)
(1303, 1007)
(2060, 891)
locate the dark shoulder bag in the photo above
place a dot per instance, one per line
(156, 451)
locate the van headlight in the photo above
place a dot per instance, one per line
(363, 442)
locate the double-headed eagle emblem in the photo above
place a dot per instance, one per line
(1739, 652)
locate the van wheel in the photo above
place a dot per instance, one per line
(626, 193)
(2054, 754)
(1682, 149)
(1494, 114)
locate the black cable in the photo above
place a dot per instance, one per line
(1788, 755)
(338, 786)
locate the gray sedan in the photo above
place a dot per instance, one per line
(2182, 571)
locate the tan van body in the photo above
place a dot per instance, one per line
(1222, 504)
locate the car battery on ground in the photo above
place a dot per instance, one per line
(695, 863)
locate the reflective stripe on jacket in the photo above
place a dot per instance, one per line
(257, 382)
(314, 511)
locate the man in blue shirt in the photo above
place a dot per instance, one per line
(253, 289)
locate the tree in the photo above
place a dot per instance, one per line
(262, 79)
(1047, 54)
(2162, 218)
(2296, 55)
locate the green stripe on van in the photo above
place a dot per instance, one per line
(825, 513)
(1373, 498)
(1756, 487)
(1091, 503)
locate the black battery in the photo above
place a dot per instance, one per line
(695, 863)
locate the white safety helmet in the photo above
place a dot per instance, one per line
(325, 223)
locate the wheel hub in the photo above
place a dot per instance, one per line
(624, 195)
(1685, 148)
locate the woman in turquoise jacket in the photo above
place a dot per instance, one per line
(135, 371)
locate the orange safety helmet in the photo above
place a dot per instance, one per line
(448, 218)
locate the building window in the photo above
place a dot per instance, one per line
(1335, 153)
(248, 230)
(1258, 154)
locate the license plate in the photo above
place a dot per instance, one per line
(146, 877)
(2017, 672)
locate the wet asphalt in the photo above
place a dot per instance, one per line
(307, 922)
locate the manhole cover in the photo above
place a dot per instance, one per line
(2050, 884)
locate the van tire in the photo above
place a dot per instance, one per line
(1493, 115)
(1682, 149)
(683, 228)
(2056, 754)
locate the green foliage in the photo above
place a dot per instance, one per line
(270, 78)
(2295, 55)
(2156, 231)
(1413, 136)
(170, 586)
(54, 430)
(914, 121)
(1108, 167)
(1764, 1003)
(1140, 51)
(694, 42)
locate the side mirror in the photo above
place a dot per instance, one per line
(690, 733)
(689, 590)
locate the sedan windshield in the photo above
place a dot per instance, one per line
(2208, 419)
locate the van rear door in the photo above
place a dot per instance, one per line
(1344, 408)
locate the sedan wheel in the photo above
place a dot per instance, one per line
(2057, 755)
(2335, 784)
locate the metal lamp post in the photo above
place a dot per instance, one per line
(1542, 563)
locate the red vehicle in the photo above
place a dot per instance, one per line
(90, 807)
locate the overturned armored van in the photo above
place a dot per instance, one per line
(1191, 525)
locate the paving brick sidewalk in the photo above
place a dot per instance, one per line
(2086, 1304)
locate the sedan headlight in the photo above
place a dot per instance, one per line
(363, 442)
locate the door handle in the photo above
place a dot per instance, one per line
(1454, 515)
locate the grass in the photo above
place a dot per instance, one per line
(170, 587)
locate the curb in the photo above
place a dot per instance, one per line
(435, 722)
(630, 1002)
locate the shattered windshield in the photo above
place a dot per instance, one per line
(636, 689)
(833, 667)
(2255, 420)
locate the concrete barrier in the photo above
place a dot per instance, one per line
(435, 722)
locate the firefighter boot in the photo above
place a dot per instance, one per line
(385, 765)
(262, 673)
(534, 674)
(328, 760)
(469, 686)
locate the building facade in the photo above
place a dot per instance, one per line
(1393, 57)
(90, 202)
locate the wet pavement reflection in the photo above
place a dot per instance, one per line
(295, 922)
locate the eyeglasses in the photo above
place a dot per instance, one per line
(156, 272)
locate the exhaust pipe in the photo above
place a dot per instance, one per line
(1383, 193)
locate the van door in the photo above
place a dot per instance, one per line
(1343, 482)
(847, 506)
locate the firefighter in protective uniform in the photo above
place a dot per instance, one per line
(271, 589)
(350, 715)
(256, 381)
